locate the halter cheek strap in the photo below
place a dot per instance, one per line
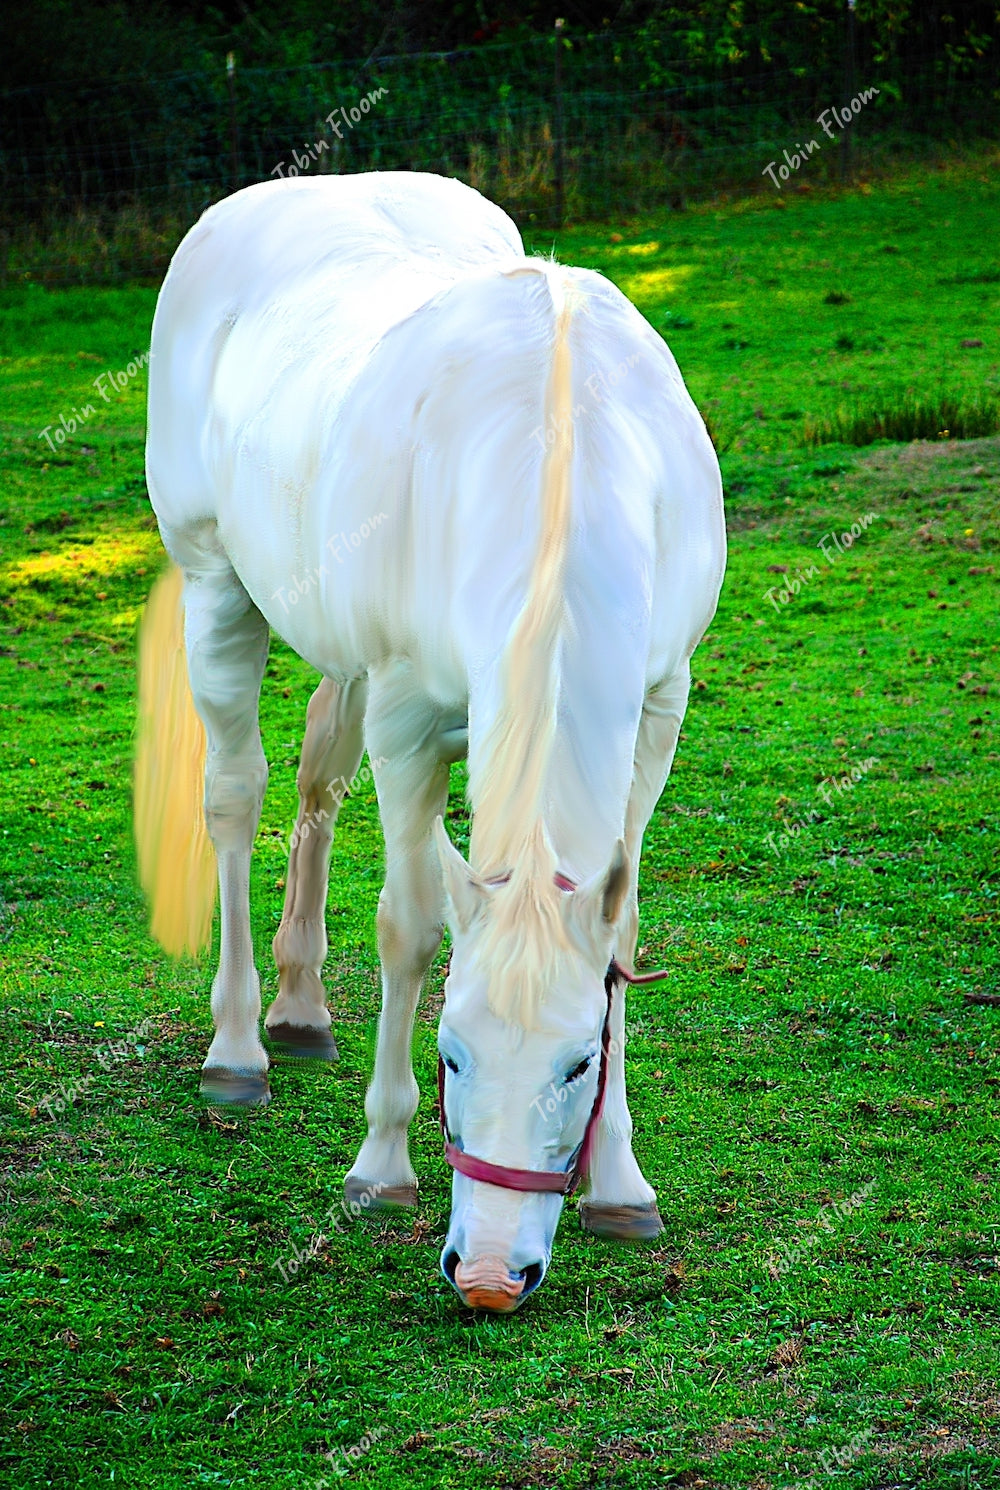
(560, 1182)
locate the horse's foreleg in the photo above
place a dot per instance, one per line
(619, 1201)
(226, 638)
(299, 1019)
(404, 738)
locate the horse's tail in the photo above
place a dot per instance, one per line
(508, 831)
(176, 858)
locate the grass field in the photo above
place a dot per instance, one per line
(815, 1041)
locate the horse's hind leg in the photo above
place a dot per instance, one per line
(619, 1201)
(226, 639)
(299, 1020)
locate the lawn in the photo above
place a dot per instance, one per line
(815, 1087)
(787, 308)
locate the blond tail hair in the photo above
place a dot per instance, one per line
(176, 857)
(524, 933)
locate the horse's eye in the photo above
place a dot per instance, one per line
(450, 1064)
(578, 1071)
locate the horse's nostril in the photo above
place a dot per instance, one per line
(532, 1275)
(449, 1263)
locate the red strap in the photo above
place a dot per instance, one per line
(635, 980)
(508, 1179)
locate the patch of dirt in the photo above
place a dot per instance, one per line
(392, 1231)
(737, 1431)
(786, 1355)
(933, 1443)
(546, 1468)
(27, 1155)
(924, 452)
(935, 478)
(63, 1031)
(925, 487)
(549, 1464)
(675, 1270)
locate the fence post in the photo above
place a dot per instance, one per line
(560, 177)
(847, 135)
(234, 155)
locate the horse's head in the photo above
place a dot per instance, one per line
(521, 1071)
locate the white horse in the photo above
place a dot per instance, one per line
(471, 489)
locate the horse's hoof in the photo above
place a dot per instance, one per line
(247, 1087)
(379, 1197)
(304, 1042)
(625, 1223)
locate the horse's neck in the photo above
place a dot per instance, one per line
(589, 773)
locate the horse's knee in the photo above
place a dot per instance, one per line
(234, 792)
(406, 940)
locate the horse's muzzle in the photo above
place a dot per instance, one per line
(488, 1283)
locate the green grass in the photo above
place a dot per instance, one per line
(785, 309)
(814, 1037)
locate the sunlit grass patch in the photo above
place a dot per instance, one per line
(97, 558)
(655, 282)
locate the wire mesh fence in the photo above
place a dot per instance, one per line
(100, 180)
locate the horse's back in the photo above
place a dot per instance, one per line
(313, 271)
(268, 235)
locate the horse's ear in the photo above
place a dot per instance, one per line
(597, 904)
(615, 886)
(467, 894)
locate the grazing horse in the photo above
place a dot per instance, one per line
(470, 488)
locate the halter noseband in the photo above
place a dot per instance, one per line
(561, 1182)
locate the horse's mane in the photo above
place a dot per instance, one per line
(524, 932)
